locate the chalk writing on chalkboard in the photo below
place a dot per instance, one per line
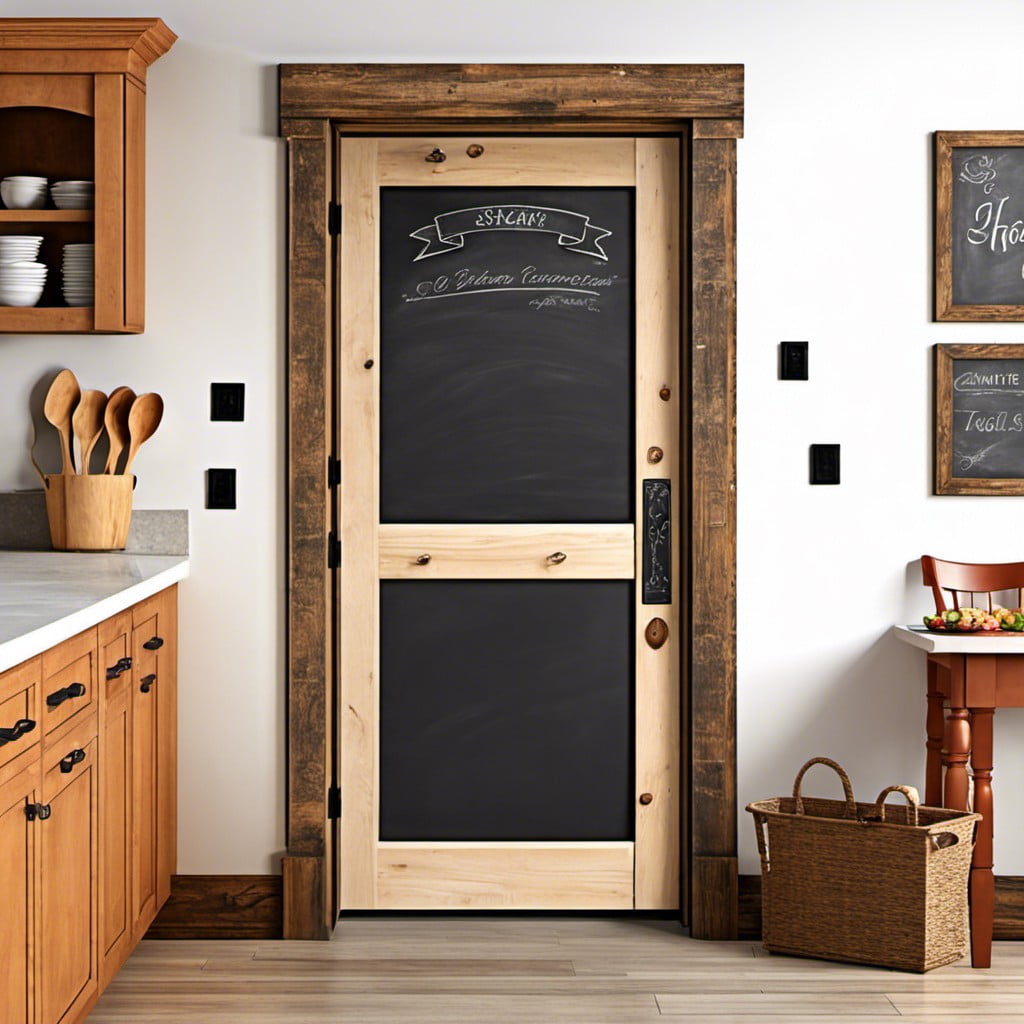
(988, 418)
(988, 226)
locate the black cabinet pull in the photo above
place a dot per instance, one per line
(40, 811)
(146, 683)
(16, 731)
(68, 763)
(154, 643)
(123, 664)
(55, 699)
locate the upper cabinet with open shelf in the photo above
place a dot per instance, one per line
(72, 108)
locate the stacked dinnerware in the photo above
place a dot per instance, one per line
(78, 274)
(21, 277)
(23, 192)
(72, 195)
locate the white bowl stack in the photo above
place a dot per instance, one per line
(79, 279)
(72, 195)
(23, 192)
(21, 277)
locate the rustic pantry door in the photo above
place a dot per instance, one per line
(508, 378)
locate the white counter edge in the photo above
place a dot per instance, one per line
(28, 645)
(937, 643)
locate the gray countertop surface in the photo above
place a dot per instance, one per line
(48, 596)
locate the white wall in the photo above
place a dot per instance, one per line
(834, 248)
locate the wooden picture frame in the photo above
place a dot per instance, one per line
(979, 419)
(979, 226)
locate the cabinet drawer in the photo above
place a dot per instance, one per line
(69, 683)
(19, 710)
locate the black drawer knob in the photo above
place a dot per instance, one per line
(55, 699)
(40, 811)
(67, 764)
(122, 665)
(154, 643)
(16, 731)
(146, 683)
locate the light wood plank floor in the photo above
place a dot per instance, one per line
(471, 970)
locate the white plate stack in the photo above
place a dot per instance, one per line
(78, 274)
(72, 195)
(21, 277)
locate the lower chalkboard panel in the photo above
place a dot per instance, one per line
(506, 710)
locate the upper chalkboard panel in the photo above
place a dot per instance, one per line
(979, 231)
(506, 355)
(979, 406)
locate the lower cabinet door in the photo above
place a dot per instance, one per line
(67, 972)
(18, 887)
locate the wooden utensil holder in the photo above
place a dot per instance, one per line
(88, 513)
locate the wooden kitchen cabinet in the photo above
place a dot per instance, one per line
(87, 809)
(72, 107)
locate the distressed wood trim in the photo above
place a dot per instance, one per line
(526, 93)
(310, 397)
(1009, 912)
(700, 101)
(220, 907)
(712, 432)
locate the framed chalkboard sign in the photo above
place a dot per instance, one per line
(979, 226)
(979, 419)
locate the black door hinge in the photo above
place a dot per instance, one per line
(333, 471)
(334, 218)
(333, 551)
(334, 803)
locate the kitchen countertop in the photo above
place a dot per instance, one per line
(47, 596)
(996, 642)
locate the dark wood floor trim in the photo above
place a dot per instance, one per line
(1008, 924)
(220, 907)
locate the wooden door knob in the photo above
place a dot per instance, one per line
(646, 798)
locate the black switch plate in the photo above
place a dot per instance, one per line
(793, 360)
(824, 463)
(227, 402)
(220, 488)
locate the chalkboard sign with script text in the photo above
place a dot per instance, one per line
(979, 226)
(979, 412)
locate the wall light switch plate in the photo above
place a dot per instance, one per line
(227, 402)
(220, 488)
(824, 463)
(793, 360)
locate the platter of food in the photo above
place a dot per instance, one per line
(976, 620)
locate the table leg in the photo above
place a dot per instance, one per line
(983, 884)
(934, 728)
(954, 758)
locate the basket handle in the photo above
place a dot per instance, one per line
(761, 828)
(913, 800)
(851, 804)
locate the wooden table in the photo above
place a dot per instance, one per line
(972, 673)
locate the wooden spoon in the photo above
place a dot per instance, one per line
(61, 399)
(87, 422)
(146, 413)
(115, 419)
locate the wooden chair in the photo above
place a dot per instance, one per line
(973, 578)
(973, 682)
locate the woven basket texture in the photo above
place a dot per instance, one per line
(860, 882)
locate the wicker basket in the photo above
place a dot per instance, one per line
(864, 883)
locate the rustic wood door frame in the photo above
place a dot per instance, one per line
(703, 106)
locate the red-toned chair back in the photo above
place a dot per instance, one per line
(971, 578)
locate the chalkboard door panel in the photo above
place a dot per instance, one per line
(509, 376)
(506, 710)
(506, 355)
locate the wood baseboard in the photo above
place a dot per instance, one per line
(1007, 924)
(220, 907)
